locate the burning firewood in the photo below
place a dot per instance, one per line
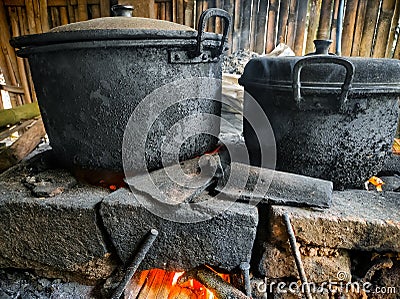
(212, 281)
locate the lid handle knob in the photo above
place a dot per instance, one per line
(122, 10)
(322, 46)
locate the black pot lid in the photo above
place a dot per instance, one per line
(120, 28)
(325, 73)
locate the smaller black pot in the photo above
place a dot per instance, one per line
(333, 118)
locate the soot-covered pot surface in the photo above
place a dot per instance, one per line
(90, 76)
(333, 117)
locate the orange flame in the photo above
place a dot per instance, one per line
(150, 283)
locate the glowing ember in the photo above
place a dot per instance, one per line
(160, 284)
(377, 182)
(213, 152)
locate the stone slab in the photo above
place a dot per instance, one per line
(358, 219)
(58, 234)
(223, 241)
(320, 264)
(277, 187)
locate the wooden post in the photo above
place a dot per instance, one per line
(371, 16)
(395, 21)
(301, 27)
(273, 11)
(383, 28)
(362, 6)
(44, 17)
(348, 26)
(315, 7)
(292, 22)
(283, 19)
(144, 9)
(261, 29)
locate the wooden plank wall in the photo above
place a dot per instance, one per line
(370, 27)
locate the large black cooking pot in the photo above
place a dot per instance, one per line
(333, 117)
(90, 76)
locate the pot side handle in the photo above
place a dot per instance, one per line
(205, 16)
(323, 59)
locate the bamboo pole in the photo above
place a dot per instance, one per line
(44, 17)
(315, 7)
(189, 13)
(245, 25)
(218, 20)
(211, 21)
(205, 7)
(301, 27)
(261, 27)
(36, 14)
(292, 22)
(229, 6)
(55, 16)
(383, 28)
(334, 24)
(283, 19)
(325, 20)
(199, 10)
(20, 62)
(362, 6)
(393, 26)
(162, 11)
(9, 57)
(64, 15)
(105, 8)
(273, 11)
(236, 26)
(31, 85)
(168, 12)
(180, 14)
(371, 16)
(31, 17)
(174, 6)
(396, 53)
(82, 10)
(71, 11)
(96, 13)
(348, 26)
(253, 26)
